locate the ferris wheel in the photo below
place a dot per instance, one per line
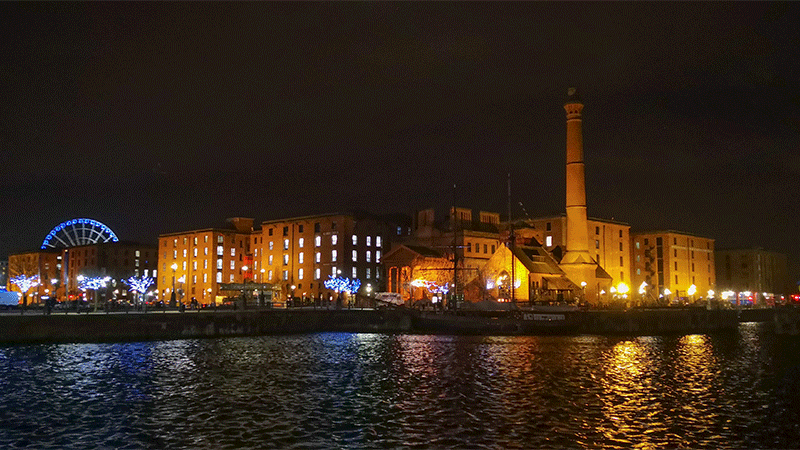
(78, 232)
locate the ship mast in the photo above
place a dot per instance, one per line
(511, 241)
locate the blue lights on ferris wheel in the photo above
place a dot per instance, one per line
(104, 234)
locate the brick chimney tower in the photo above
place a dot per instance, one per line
(577, 263)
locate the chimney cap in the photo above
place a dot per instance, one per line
(572, 96)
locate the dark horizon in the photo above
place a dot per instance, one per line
(153, 118)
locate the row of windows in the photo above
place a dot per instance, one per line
(478, 248)
(220, 240)
(674, 242)
(334, 240)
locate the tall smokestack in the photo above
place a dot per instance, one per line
(577, 225)
(577, 263)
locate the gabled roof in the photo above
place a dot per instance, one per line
(537, 260)
(407, 253)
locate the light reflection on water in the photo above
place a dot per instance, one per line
(375, 390)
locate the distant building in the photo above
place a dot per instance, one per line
(761, 272)
(116, 260)
(673, 261)
(609, 243)
(299, 254)
(44, 264)
(194, 263)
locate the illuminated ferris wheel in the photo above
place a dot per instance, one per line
(78, 232)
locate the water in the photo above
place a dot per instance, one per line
(325, 391)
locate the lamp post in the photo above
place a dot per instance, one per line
(172, 303)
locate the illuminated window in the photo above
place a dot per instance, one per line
(355, 256)
(368, 273)
(271, 245)
(285, 275)
(219, 277)
(316, 273)
(334, 272)
(219, 264)
(355, 240)
(270, 260)
(355, 273)
(369, 241)
(596, 243)
(637, 244)
(334, 239)
(285, 259)
(638, 258)
(233, 251)
(377, 256)
(369, 256)
(220, 250)
(205, 251)
(231, 278)
(333, 255)
(205, 238)
(638, 271)
(194, 252)
(233, 265)
(194, 265)
(300, 242)
(185, 253)
(220, 239)
(377, 241)
(145, 272)
(184, 266)
(269, 274)
(299, 274)
(174, 254)
(286, 244)
(194, 279)
(317, 257)
(300, 258)
(174, 243)
(548, 241)
(317, 241)
(205, 264)
(137, 253)
(205, 278)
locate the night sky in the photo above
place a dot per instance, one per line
(161, 117)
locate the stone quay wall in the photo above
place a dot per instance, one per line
(33, 328)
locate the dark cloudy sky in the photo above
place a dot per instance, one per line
(159, 117)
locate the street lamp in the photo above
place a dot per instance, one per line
(54, 283)
(172, 304)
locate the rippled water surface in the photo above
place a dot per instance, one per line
(737, 390)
